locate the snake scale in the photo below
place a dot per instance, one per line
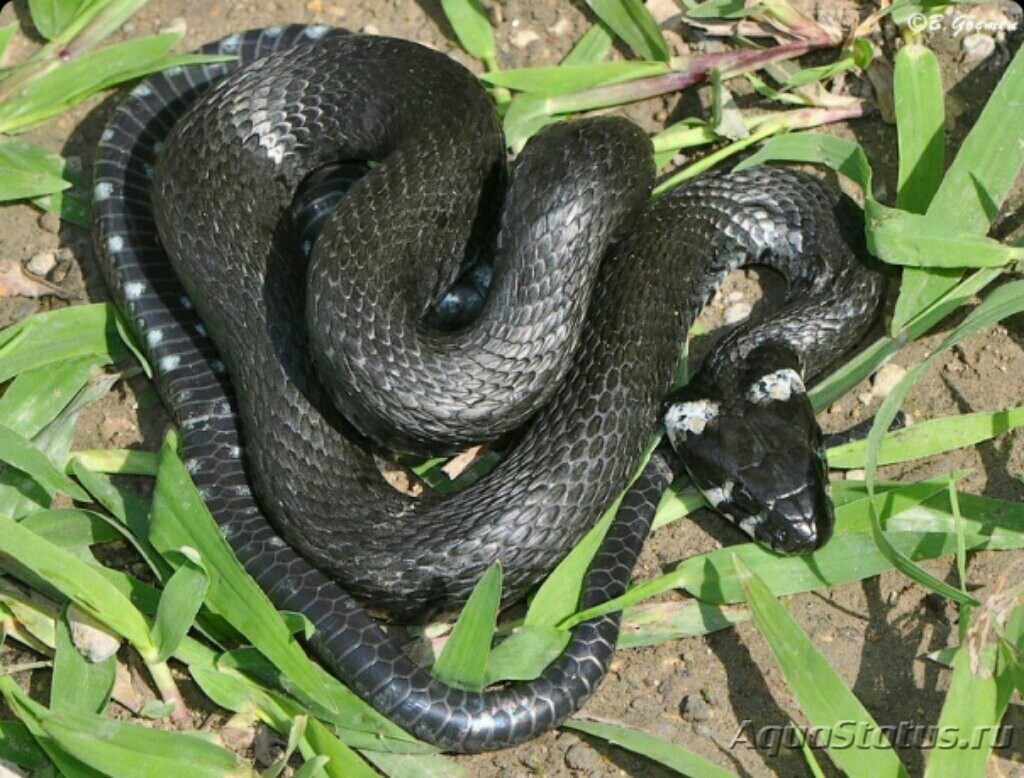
(287, 381)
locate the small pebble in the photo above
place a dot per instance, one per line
(95, 641)
(128, 28)
(886, 379)
(865, 398)
(176, 25)
(582, 757)
(735, 297)
(695, 709)
(523, 38)
(562, 27)
(495, 14)
(371, 29)
(978, 47)
(737, 312)
(50, 222)
(703, 731)
(855, 475)
(42, 263)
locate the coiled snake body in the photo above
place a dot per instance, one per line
(567, 361)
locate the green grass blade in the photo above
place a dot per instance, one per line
(71, 528)
(180, 518)
(1003, 302)
(18, 452)
(902, 238)
(180, 602)
(18, 747)
(592, 47)
(463, 661)
(650, 747)
(927, 438)
(6, 33)
(78, 683)
(820, 692)
(659, 622)
(985, 167)
(78, 581)
(35, 398)
(51, 17)
(27, 170)
(563, 79)
(524, 654)
(633, 23)
(47, 338)
(920, 132)
(469, 20)
(842, 155)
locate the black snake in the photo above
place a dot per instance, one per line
(565, 363)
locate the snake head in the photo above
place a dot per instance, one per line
(757, 455)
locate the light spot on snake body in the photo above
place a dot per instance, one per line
(153, 337)
(689, 418)
(133, 290)
(193, 465)
(777, 386)
(235, 452)
(230, 44)
(107, 135)
(201, 330)
(142, 90)
(177, 70)
(115, 243)
(169, 363)
(316, 31)
(185, 303)
(102, 191)
(272, 32)
(748, 524)
(719, 495)
(217, 366)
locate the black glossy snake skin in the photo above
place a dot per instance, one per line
(567, 363)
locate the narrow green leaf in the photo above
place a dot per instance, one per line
(35, 398)
(180, 518)
(920, 126)
(51, 17)
(469, 20)
(18, 747)
(1004, 301)
(123, 750)
(823, 697)
(668, 754)
(903, 238)
(592, 47)
(6, 33)
(985, 167)
(653, 623)
(180, 602)
(631, 21)
(78, 581)
(18, 452)
(562, 79)
(71, 528)
(463, 661)
(842, 155)
(27, 170)
(524, 654)
(927, 438)
(46, 338)
(78, 684)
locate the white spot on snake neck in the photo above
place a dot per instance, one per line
(142, 90)
(777, 386)
(153, 337)
(107, 135)
(168, 364)
(201, 330)
(719, 495)
(133, 290)
(115, 243)
(689, 418)
(185, 303)
(230, 44)
(102, 191)
(748, 524)
(235, 452)
(272, 32)
(317, 31)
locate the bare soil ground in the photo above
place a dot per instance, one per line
(874, 633)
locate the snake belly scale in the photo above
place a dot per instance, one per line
(284, 381)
